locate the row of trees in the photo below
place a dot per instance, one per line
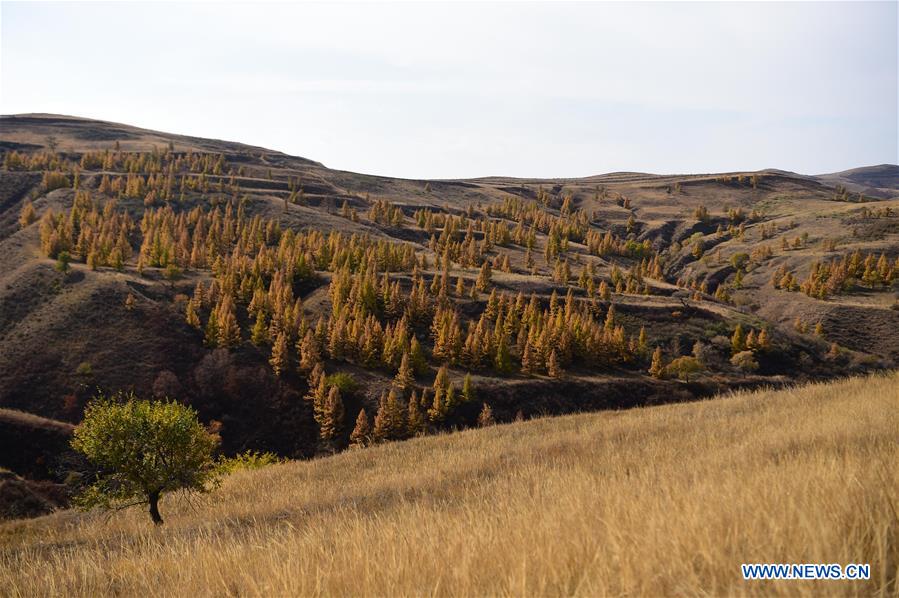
(839, 275)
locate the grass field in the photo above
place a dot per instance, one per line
(658, 501)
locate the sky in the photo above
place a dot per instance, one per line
(435, 90)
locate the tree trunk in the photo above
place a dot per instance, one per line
(153, 499)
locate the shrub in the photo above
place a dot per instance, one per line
(84, 369)
(343, 381)
(247, 460)
(745, 362)
(739, 260)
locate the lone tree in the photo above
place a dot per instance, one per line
(143, 449)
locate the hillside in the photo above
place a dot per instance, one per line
(659, 501)
(235, 278)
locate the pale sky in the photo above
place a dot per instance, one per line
(466, 90)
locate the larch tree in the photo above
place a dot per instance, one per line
(483, 282)
(763, 340)
(332, 422)
(259, 332)
(190, 314)
(415, 419)
(657, 368)
(738, 341)
(310, 353)
(405, 377)
(390, 421)
(27, 215)
(437, 411)
(212, 331)
(467, 389)
(485, 418)
(553, 369)
(417, 356)
(229, 330)
(361, 435)
(278, 359)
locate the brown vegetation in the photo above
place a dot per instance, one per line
(660, 501)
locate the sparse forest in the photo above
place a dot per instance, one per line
(305, 311)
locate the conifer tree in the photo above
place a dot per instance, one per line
(405, 376)
(750, 343)
(278, 359)
(310, 355)
(437, 412)
(190, 314)
(332, 422)
(318, 394)
(763, 342)
(390, 421)
(417, 356)
(486, 417)
(229, 330)
(467, 390)
(27, 215)
(315, 376)
(441, 381)
(657, 368)
(737, 341)
(528, 362)
(604, 292)
(460, 286)
(450, 399)
(553, 369)
(212, 331)
(503, 360)
(483, 282)
(361, 435)
(259, 333)
(415, 421)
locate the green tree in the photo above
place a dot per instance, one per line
(143, 449)
(503, 360)
(259, 333)
(682, 367)
(467, 390)
(62, 261)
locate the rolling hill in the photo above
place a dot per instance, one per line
(666, 500)
(205, 270)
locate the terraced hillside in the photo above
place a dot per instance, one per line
(243, 281)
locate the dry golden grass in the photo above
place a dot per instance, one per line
(658, 501)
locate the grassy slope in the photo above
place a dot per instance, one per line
(663, 501)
